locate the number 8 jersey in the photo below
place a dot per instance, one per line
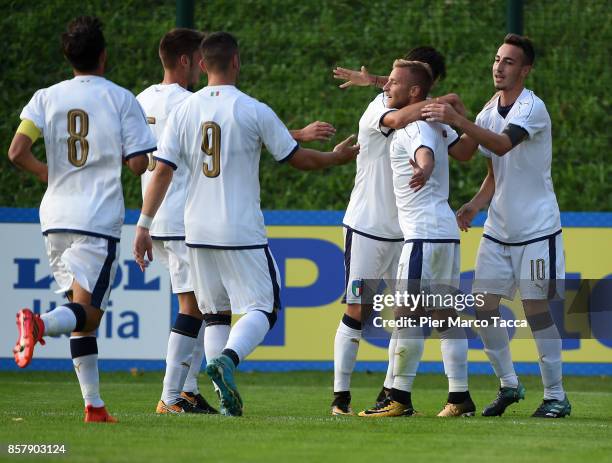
(89, 126)
(218, 132)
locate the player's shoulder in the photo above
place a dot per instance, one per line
(530, 104)
(489, 107)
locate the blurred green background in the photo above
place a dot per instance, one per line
(288, 50)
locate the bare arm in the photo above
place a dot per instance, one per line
(20, 154)
(468, 211)
(499, 144)
(308, 159)
(317, 130)
(359, 78)
(408, 114)
(422, 167)
(138, 164)
(464, 149)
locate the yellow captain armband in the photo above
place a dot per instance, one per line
(28, 129)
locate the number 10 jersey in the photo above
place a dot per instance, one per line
(218, 132)
(89, 126)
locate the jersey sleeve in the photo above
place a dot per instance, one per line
(274, 134)
(375, 113)
(481, 122)
(169, 145)
(451, 137)
(34, 111)
(532, 118)
(423, 136)
(136, 136)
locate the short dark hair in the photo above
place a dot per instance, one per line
(176, 43)
(218, 49)
(83, 42)
(431, 56)
(525, 44)
(421, 73)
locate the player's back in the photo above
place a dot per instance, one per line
(424, 214)
(220, 131)
(158, 101)
(88, 124)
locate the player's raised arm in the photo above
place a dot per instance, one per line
(308, 159)
(358, 78)
(20, 151)
(468, 211)
(321, 131)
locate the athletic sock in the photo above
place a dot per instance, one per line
(191, 382)
(497, 347)
(248, 333)
(178, 359)
(548, 342)
(408, 353)
(388, 384)
(216, 333)
(64, 319)
(84, 352)
(454, 346)
(346, 345)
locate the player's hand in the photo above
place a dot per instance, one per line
(143, 245)
(454, 100)
(345, 151)
(418, 179)
(465, 215)
(359, 78)
(317, 130)
(440, 112)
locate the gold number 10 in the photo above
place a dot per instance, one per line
(211, 147)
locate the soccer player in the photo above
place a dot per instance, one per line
(430, 254)
(522, 246)
(179, 52)
(373, 237)
(218, 131)
(90, 127)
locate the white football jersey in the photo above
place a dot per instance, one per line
(89, 126)
(158, 101)
(219, 132)
(372, 208)
(524, 206)
(424, 214)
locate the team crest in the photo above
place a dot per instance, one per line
(357, 287)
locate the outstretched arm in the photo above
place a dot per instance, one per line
(359, 78)
(307, 159)
(317, 130)
(408, 114)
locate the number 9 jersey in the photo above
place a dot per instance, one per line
(90, 125)
(218, 132)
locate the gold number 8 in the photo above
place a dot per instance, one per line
(78, 136)
(211, 147)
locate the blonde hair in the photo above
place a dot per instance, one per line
(403, 63)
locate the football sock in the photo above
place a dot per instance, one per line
(388, 384)
(346, 345)
(216, 332)
(458, 397)
(402, 397)
(84, 352)
(454, 346)
(497, 347)
(548, 342)
(64, 319)
(248, 333)
(408, 353)
(191, 382)
(179, 357)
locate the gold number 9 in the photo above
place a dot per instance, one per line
(211, 147)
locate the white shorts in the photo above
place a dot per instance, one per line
(240, 279)
(90, 260)
(532, 268)
(429, 265)
(174, 256)
(367, 258)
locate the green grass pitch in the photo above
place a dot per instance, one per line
(286, 418)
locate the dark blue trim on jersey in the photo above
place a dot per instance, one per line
(474, 368)
(437, 240)
(103, 283)
(454, 142)
(80, 232)
(381, 125)
(348, 244)
(291, 153)
(415, 268)
(165, 161)
(522, 243)
(372, 237)
(168, 238)
(318, 218)
(140, 153)
(275, 287)
(230, 248)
